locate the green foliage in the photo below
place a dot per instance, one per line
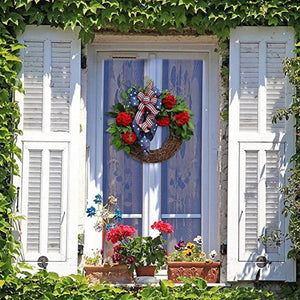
(9, 118)
(196, 288)
(48, 285)
(95, 259)
(290, 291)
(291, 191)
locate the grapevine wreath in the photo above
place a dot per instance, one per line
(138, 116)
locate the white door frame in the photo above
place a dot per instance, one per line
(169, 46)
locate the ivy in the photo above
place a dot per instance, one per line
(162, 16)
(291, 191)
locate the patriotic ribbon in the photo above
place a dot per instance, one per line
(148, 106)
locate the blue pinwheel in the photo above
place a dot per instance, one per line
(91, 211)
(98, 199)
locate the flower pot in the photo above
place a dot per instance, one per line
(145, 270)
(112, 274)
(207, 271)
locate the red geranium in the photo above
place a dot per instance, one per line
(123, 118)
(120, 233)
(163, 121)
(129, 137)
(181, 118)
(117, 258)
(130, 260)
(117, 248)
(169, 101)
(162, 227)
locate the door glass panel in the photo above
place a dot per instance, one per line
(184, 229)
(123, 176)
(181, 175)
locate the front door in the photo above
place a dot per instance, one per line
(175, 190)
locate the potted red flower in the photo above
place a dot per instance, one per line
(140, 253)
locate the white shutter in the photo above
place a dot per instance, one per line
(259, 152)
(50, 122)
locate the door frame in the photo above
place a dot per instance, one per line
(203, 47)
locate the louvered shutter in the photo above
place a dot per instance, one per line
(50, 123)
(259, 152)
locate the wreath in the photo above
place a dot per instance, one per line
(138, 116)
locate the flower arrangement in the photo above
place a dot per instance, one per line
(139, 251)
(142, 111)
(191, 252)
(108, 215)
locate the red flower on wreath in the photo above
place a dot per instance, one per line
(163, 121)
(120, 233)
(181, 118)
(129, 137)
(123, 118)
(162, 227)
(169, 101)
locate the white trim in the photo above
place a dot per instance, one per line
(166, 47)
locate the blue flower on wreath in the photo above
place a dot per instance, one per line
(98, 199)
(91, 211)
(118, 215)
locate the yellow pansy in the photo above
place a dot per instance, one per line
(190, 245)
(187, 252)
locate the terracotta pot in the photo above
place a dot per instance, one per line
(145, 270)
(112, 274)
(208, 271)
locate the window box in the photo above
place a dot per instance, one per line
(112, 274)
(208, 271)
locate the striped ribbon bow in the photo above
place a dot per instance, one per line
(146, 109)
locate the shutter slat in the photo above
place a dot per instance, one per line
(272, 195)
(251, 200)
(33, 85)
(60, 82)
(275, 83)
(34, 197)
(55, 201)
(249, 86)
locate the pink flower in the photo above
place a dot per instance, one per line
(162, 227)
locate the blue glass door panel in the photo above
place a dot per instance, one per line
(181, 175)
(123, 176)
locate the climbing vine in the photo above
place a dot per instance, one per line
(291, 191)
(162, 16)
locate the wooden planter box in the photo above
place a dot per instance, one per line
(111, 274)
(208, 271)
